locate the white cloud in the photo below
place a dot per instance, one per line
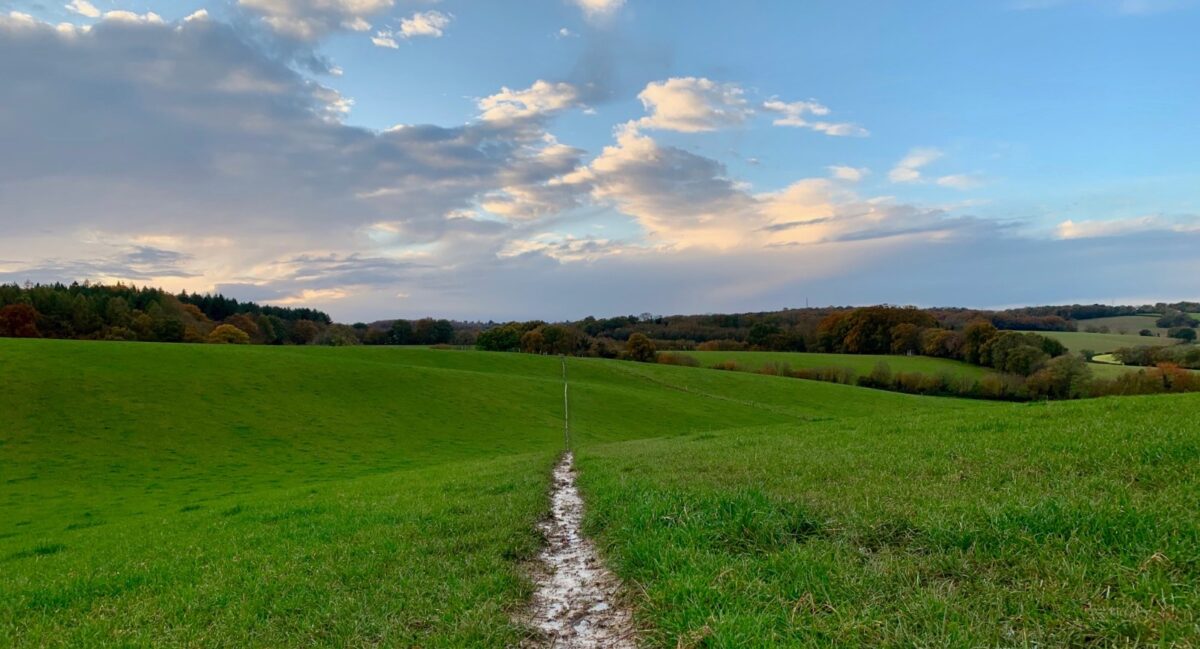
(1089, 229)
(540, 99)
(793, 114)
(563, 247)
(122, 16)
(309, 20)
(960, 181)
(848, 174)
(83, 8)
(908, 170)
(425, 23)
(599, 10)
(691, 104)
(565, 33)
(385, 39)
(199, 14)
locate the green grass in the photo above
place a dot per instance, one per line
(188, 495)
(1124, 324)
(857, 363)
(224, 496)
(1070, 524)
(1078, 341)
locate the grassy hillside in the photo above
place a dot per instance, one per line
(1128, 325)
(282, 496)
(148, 486)
(857, 363)
(1069, 524)
(1077, 341)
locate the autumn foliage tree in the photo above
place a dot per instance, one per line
(19, 321)
(229, 335)
(640, 348)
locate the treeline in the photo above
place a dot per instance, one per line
(118, 312)
(425, 331)
(1185, 356)
(1063, 377)
(798, 329)
(909, 331)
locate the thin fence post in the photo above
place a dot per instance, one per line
(566, 405)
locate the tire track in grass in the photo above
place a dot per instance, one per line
(575, 604)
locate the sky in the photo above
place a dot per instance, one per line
(554, 159)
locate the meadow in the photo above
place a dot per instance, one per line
(1078, 341)
(1128, 325)
(859, 364)
(193, 495)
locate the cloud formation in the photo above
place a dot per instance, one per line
(1091, 229)
(310, 20)
(797, 115)
(222, 164)
(425, 23)
(692, 104)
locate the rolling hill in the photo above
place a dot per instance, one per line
(167, 495)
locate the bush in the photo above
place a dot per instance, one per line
(841, 375)
(728, 366)
(228, 334)
(673, 358)
(775, 369)
(1064, 377)
(1183, 333)
(724, 345)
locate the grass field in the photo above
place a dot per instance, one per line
(857, 363)
(1128, 325)
(1070, 524)
(224, 496)
(172, 495)
(1077, 341)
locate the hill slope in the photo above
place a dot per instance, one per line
(281, 496)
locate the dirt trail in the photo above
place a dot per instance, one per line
(575, 604)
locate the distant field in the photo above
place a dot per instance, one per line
(228, 496)
(859, 364)
(1077, 341)
(1123, 324)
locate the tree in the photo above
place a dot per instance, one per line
(975, 336)
(868, 330)
(1064, 377)
(401, 333)
(761, 334)
(906, 338)
(245, 323)
(304, 332)
(339, 335)
(1183, 333)
(640, 348)
(228, 334)
(533, 342)
(428, 331)
(19, 321)
(505, 338)
(1145, 332)
(1172, 318)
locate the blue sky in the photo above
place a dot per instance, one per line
(558, 158)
